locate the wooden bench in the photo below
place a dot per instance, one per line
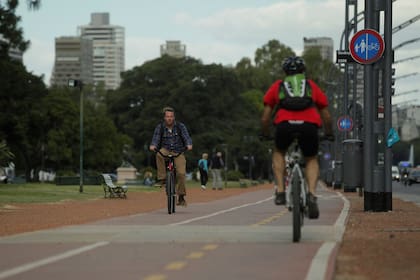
(111, 190)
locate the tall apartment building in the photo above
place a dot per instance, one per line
(108, 49)
(325, 45)
(73, 60)
(174, 49)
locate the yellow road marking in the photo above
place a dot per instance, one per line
(176, 265)
(195, 255)
(156, 277)
(270, 219)
(210, 247)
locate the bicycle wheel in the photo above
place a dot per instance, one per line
(170, 192)
(297, 215)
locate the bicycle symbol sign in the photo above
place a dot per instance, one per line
(367, 46)
(345, 123)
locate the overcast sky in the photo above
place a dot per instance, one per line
(216, 31)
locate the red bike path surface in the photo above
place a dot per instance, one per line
(238, 237)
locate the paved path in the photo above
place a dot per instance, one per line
(241, 237)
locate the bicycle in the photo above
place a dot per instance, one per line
(170, 180)
(297, 190)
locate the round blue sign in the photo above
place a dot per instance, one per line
(345, 123)
(367, 46)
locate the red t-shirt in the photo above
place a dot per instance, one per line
(311, 114)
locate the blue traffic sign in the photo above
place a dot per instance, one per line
(345, 123)
(367, 46)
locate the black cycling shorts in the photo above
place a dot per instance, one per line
(306, 133)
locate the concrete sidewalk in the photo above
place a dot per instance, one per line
(380, 245)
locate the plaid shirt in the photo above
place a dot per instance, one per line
(174, 140)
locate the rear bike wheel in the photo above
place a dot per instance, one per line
(297, 214)
(170, 191)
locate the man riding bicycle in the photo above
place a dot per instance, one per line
(172, 137)
(302, 105)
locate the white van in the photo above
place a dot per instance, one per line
(395, 173)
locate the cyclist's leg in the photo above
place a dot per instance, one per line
(309, 143)
(311, 173)
(180, 164)
(278, 168)
(161, 168)
(282, 142)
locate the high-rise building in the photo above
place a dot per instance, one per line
(174, 49)
(73, 60)
(325, 45)
(108, 49)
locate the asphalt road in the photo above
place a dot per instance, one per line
(242, 237)
(407, 193)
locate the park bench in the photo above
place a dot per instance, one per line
(111, 190)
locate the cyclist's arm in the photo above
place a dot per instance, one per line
(266, 119)
(186, 136)
(326, 120)
(270, 100)
(156, 139)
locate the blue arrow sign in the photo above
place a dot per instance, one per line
(345, 123)
(366, 46)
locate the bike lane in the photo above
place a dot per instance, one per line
(245, 237)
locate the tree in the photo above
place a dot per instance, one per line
(21, 95)
(11, 35)
(270, 58)
(5, 153)
(207, 98)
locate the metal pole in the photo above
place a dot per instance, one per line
(226, 164)
(355, 129)
(346, 66)
(81, 138)
(388, 102)
(368, 119)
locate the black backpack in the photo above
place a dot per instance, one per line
(295, 93)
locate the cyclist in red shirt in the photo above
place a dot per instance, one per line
(300, 120)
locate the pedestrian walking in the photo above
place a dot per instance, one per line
(203, 169)
(217, 164)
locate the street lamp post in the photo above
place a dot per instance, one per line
(226, 162)
(79, 84)
(81, 138)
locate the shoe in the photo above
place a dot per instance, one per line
(313, 210)
(220, 189)
(203, 187)
(181, 201)
(213, 189)
(280, 198)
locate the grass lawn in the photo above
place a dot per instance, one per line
(47, 192)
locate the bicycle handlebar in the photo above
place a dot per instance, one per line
(168, 156)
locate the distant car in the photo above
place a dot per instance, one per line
(395, 173)
(414, 176)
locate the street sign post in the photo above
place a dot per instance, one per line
(367, 46)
